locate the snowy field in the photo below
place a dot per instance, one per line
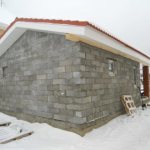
(122, 133)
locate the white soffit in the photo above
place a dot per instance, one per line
(20, 27)
(84, 31)
(120, 48)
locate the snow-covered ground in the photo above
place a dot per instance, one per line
(122, 133)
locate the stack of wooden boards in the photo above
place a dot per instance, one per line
(129, 105)
(10, 132)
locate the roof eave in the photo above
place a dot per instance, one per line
(82, 29)
(115, 46)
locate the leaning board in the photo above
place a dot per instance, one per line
(129, 105)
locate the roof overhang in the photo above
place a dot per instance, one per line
(77, 31)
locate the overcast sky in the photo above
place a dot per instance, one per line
(127, 19)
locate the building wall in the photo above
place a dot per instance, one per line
(46, 78)
(103, 89)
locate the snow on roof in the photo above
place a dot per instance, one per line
(85, 31)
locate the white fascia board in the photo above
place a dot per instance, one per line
(120, 49)
(51, 27)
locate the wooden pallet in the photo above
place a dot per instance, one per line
(16, 137)
(4, 123)
(9, 134)
(129, 105)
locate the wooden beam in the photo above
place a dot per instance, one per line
(77, 38)
(146, 81)
(72, 37)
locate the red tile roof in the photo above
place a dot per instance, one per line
(1, 31)
(77, 23)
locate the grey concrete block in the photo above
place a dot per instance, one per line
(41, 77)
(79, 113)
(58, 81)
(74, 107)
(77, 120)
(60, 117)
(59, 69)
(60, 106)
(76, 74)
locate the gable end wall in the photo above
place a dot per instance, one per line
(63, 83)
